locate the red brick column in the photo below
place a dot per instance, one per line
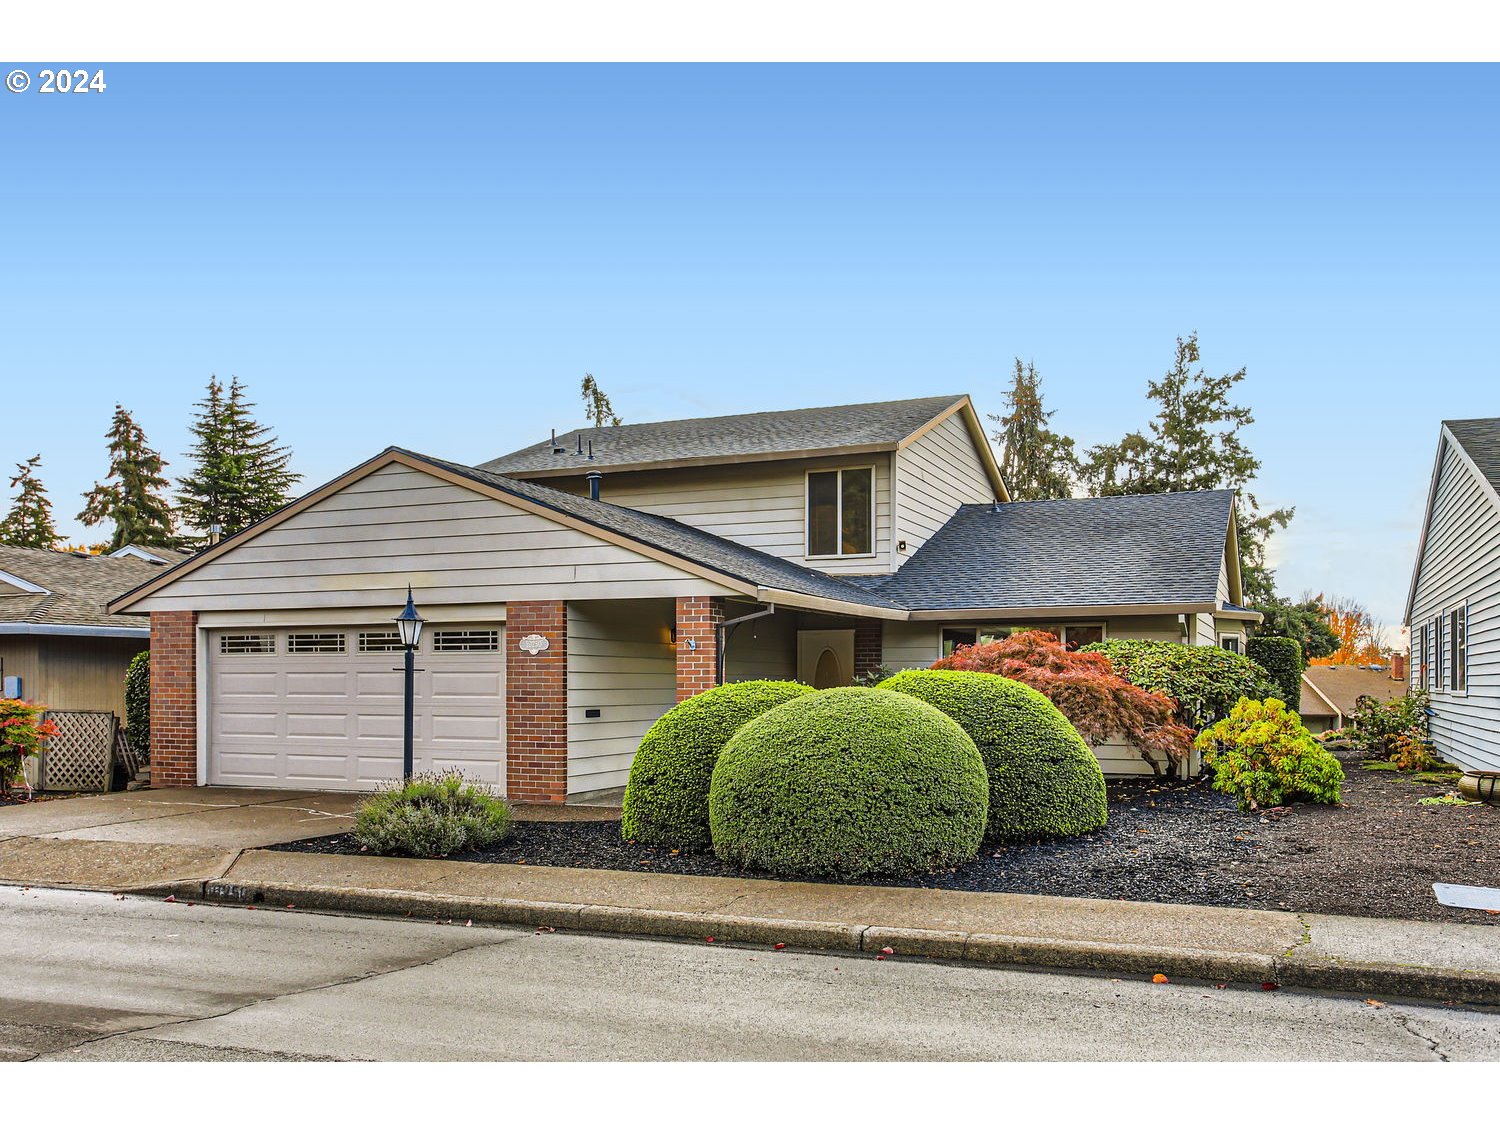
(174, 700)
(869, 646)
(536, 702)
(698, 621)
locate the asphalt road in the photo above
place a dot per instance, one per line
(92, 976)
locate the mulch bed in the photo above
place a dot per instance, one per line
(1377, 854)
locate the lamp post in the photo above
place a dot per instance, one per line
(409, 621)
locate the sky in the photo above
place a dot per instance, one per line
(433, 256)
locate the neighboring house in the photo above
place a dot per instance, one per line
(577, 588)
(59, 644)
(1453, 608)
(1331, 691)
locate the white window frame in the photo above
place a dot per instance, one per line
(1439, 665)
(1458, 657)
(839, 512)
(1237, 638)
(1019, 626)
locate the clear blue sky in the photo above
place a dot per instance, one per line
(433, 257)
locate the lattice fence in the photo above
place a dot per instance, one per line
(80, 756)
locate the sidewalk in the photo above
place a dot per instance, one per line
(1373, 957)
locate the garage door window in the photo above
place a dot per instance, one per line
(466, 640)
(307, 643)
(247, 644)
(387, 641)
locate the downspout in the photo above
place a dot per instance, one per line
(726, 630)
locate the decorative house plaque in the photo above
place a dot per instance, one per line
(534, 643)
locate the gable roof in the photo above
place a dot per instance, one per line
(69, 591)
(696, 551)
(770, 435)
(1164, 549)
(1341, 685)
(1476, 442)
(167, 555)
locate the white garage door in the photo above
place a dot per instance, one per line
(321, 708)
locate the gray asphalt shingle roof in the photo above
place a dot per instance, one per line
(79, 586)
(1480, 438)
(1112, 550)
(706, 549)
(735, 436)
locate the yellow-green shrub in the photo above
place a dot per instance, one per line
(1263, 756)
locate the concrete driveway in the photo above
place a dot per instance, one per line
(119, 841)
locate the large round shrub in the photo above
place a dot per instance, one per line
(1043, 778)
(1205, 680)
(848, 782)
(666, 798)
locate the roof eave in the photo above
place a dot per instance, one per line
(27, 628)
(574, 467)
(1036, 612)
(793, 600)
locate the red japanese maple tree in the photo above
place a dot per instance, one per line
(1085, 688)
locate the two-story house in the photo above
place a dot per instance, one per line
(577, 588)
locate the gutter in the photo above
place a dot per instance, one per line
(25, 629)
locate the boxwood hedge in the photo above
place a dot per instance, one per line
(666, 797)
(1281, 657)
(848, 782)
(1043, 778)
(1205, 680)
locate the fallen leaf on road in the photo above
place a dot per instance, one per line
(888, 951)
(880, 958)
(546, 929)
(470, 922)
(1269, 986)
(781, 945)
(1225, 985)
(170, 898)
(1160, 978)
(708, 939)
(1375, 1003)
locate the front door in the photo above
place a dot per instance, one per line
(825, 657)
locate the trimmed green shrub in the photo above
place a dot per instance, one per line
(1263, 756)
(1043, 778)
(138, 703)
(1207, 681)
(1281, 657)
(845, 783)
(433, 814)
(666, 797)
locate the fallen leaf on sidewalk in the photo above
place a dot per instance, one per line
(1224, 985)
(880, 957)
(170, 898)
(546, 929)
(709, 940)
(470, 922)
(1160, 978)
(1375, 1003)
(888, 951)
(781, 945)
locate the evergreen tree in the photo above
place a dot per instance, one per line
(596, 405)
(240, 470)
(131, 496)
(1036, 463)
(29, 521)
(1194, 444)
(1305, 622)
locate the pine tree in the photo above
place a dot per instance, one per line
(1194, 444)
(1036, 463)
(29, 521)
(596, 405)
(132, 496)
(240, 471)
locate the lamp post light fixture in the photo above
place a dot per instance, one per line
(410, 623)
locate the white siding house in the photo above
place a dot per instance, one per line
(1453, 609)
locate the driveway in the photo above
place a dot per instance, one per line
(149, 837)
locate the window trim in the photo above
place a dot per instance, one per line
(839, 512)
(1020, 626)
(1458, 652)
(341, 650)
(226, 638)
(1439, 665)
(1237, 638)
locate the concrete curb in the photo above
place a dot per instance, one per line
(1414, 981)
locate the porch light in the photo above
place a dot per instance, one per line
(410, 622)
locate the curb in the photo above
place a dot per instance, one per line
(1412, 981)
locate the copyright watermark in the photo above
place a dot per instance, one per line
(58, 80)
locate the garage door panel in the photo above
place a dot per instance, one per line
(333, 720)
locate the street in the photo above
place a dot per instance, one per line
(94, 976)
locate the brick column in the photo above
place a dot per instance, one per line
(536, 702)
(869, 646)
(174, 700)
(698, 621)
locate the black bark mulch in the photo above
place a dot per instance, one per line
(1377, 854)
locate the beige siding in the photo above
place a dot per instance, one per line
(364, 544)
(1460, 564)
(72, 673)
(762, 505)
(936, 474)
(763, 649)
(621, 661)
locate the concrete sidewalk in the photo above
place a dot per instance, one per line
(188, 843)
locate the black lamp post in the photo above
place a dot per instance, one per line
(409, 621)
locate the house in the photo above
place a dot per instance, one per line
(577, 588)
(59, 644)
(1330, 692)
(1453, 607)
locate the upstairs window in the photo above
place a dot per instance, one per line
(841, 512)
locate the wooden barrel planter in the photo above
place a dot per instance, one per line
(1481, 785)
